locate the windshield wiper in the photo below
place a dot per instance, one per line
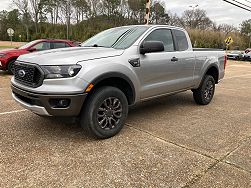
(122, 36)
(97, 46)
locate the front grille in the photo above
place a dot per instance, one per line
(28, 74)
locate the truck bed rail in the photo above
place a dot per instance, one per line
(207, 49)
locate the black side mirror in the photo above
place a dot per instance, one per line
(151, 46)
(32, 49)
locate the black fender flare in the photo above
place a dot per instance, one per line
(209, 67)
(115, 75)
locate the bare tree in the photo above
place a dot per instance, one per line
(96, 7)
(158, 14)
(137, 9)
(81, 10)
(23, 7)
(66, 8)
(226, 28)
(111, 7)
(196, 19)
(34, 11)
(51, 7)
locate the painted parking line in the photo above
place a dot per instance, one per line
(12, 112)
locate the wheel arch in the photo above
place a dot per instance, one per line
(118, 80)
(214, 72)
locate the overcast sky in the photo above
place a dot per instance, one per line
(218, 10)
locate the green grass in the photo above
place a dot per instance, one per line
(6, 47)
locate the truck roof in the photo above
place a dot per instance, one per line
(153, 26)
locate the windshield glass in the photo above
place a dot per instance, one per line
(28, 45)
(235, 52)
(118, 38)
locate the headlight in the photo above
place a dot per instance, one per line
(64, 71)
(2, 55)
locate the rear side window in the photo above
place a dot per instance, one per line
(162, 35)
(60, 45)
(181, 39)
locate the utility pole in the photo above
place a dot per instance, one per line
(147, 17)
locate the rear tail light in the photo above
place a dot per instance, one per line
(225, 61)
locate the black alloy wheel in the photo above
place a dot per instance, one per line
(205, 93)
(109, 113)
(105, 112)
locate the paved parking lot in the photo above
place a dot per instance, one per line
(167, 142)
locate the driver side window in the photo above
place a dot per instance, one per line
(162, 35)
(42, 46)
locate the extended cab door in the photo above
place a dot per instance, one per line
(168, 71)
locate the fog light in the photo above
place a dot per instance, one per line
(60, 103)
(63, 103)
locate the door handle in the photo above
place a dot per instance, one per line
(174, 59)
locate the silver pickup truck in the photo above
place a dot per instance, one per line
(116, 68)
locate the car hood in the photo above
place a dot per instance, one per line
(12, 50)
(233, 54)
(69, 55)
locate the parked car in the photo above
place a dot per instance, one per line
(117, 68)
(235, 55)
(247, 50)
(247, 56)
(9, 56)
(77, 43)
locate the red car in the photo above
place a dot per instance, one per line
(9, 56)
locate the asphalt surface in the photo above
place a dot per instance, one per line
(167, 142)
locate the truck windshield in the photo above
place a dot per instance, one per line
(118, 38)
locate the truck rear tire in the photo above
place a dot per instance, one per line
(205, 93)
(105, 113)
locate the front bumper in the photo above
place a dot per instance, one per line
(233, 57)
(247, 58)
(43, 104)
(2, 64)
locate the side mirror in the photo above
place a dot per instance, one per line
(151, 46)
(32, 49)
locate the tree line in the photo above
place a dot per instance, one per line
(80, 19)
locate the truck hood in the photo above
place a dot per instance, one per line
(69, 55)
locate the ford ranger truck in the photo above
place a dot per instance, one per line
(115, 69)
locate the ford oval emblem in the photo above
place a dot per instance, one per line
(21, 73)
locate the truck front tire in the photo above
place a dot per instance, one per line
(105, 112)
(205, 93)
